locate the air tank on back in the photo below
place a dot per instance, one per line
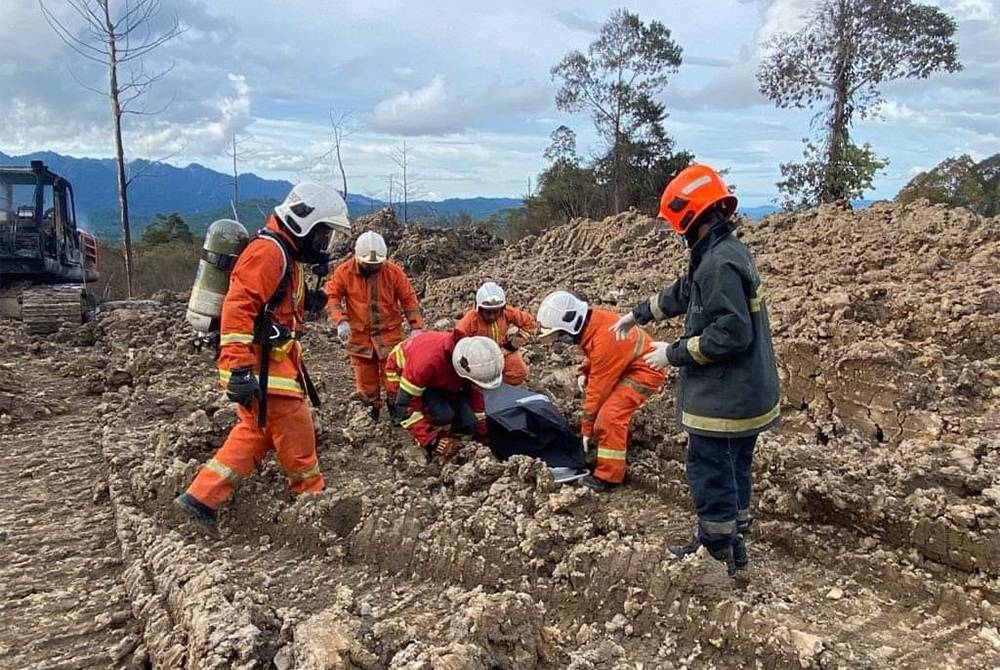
(224, 241)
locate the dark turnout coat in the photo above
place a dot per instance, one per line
(728, 383)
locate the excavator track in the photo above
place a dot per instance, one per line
(44, 309)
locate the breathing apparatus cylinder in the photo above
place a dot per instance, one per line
(224, 242)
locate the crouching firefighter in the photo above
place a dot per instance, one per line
(615, 379)
(260, 357)
(438, 384)
(728, 389)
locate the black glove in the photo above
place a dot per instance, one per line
(243, 387)
(398, 413)
(321, 269)
(315, 301)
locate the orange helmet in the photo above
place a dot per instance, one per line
(691, 193)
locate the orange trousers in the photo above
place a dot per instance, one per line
(515, 370)
(369, 378)
(611, 428)
(289, 431)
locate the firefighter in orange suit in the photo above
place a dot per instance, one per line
(267, 285)
(507, 326)
(368, 296)
(615, 378)
(438, 381)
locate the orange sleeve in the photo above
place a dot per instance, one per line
(522, 320)
(466, 326)
(252, 283)
(335, 289)
(407, 298)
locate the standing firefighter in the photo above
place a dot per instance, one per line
(614, 378)
(260, 358)
(438, 383)
(728, 389)
(507, 326)
(367, 295)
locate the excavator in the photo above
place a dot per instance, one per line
(46, 262)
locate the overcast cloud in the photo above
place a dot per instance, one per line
(469, 91)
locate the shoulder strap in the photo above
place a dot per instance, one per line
(286, 277)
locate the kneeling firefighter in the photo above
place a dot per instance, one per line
(260, 358)
(507, 326)
(438, 383)
(728, 391)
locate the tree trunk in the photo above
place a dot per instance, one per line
(616, 174)
(833, 188)
(116, 114)
(236, 179)
(343, 175)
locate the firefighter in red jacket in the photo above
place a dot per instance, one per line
(507, 326)
(368, 296)
(269, 270)
(615, 378)
(438, 383)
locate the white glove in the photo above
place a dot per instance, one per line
(623, 326)
(343, 331)
(581, 383)
(586, 444)
(658, 356)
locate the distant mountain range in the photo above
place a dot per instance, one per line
(197, 193)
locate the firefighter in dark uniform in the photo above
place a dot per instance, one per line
(728, 379)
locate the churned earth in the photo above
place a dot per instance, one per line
(878, 498)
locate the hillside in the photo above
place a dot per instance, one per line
(877, 541)
(202, 195)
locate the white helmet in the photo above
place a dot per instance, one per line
(561, 310)
(479, 360)
(309, 205)
(490, 296)
(370, 248)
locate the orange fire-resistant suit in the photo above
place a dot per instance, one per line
(619, 382)
(515, 370)
(289, 428)
(372, 305)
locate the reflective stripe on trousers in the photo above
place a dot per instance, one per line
(719, 474)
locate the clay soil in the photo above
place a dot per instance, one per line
(878, 498)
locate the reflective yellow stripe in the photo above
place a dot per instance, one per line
(236, 338)
(756, 300)
(611, 454)
(717, 425)
(410, 387)
(694, 348)
(640, 343)
(273, 383)
(480, 416)
(412, 419)
(392, 376)
(307, 474)
(637, 387)
(223, 471)
(397, 353)
(654, 307)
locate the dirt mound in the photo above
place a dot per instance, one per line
(869, 550)
(426, 253)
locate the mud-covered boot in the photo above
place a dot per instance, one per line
(374, 412)
(740, 557)
(203, 516)
(598, 484)
(680, 551)
(725, 556)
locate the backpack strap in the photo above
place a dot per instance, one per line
(264, 321)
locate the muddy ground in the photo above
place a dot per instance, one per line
(877, 499)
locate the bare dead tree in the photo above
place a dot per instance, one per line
(118, 38)
(236, 151)
(410, 188)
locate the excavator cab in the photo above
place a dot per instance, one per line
(45, 260)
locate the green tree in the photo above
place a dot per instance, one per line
(838, 62)
(166, 229)
(959, 182)
(617, 81)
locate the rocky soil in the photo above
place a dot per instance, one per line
(878, 497)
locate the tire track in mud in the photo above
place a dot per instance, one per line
(63, 602)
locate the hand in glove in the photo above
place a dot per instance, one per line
(515, 338)
(586, 444)
(581, 383)
(446, 448)
(343, 331)
(658, 356)
(243, 387)
(623, 326)
(315, 301)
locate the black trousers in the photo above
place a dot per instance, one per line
(450, 409)
(719, 474)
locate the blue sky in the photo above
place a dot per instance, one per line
(467, 86)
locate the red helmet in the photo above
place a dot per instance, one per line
(691, 193)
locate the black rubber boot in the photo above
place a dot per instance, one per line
(374, 412)
(680, 551)
(725, 556)
(203, 516)
(599, 485)
(740, 556)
